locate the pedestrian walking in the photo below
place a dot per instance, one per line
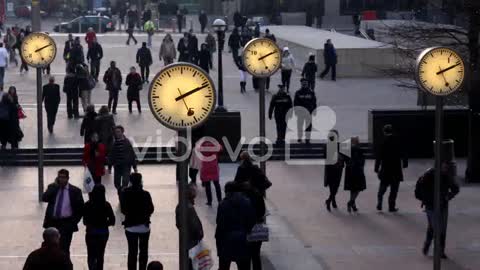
(309, 71)
(123, 158)
(65, 208)
(235, 219)
(288, 65)
(249, 172)
(210, 171)
(234, 43)
(155, 265)
(146, 16)
(90, 37)
(144, 60)
(23, 65)
(87, 128)
(179, 20)
(68, 48)
(84, 87)
(70, 88)
(194, 224)
(184, 48)
(256, 31)
(193, 48)
(104, 125)
(15, 134)
(168, 52)
(134, 83)
(243, 74)
(10, 40)
(136, 204)
(305, 98)
(132, 20)
(389, 161)
(94, 57)
(258, 203)
(77, 55)
(203, 20)
(205, 58)
(270, 35)
(211, 44)
(98, 216)
(3, 64)
(49, 255)
(280, 104)
(330, 58)
(333, 174)
(113, 81)
(94, 158)
(51, 99)
(354, 174)
(237, 19)
(425, 192)
(149, 28)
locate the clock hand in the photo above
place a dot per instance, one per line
(265, 56)
(46, 46)
(191, 92)
(190, 111)
(183, 99)
(447, 69)
(443, 75)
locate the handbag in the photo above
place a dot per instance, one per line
(259, 233)
(21, 113)
(88, 182)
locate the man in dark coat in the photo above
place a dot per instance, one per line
(184, 48)
(144, 60)
(68, 47)
(113, 80)
(94, 56)
(333, 172)
(65, 208)
(132, 19)
(203, 19)
(49, 255)
(179, 20)
(234, 43)
(235, 219)
(389, 161)
(76, 53)
(280, 104)
(448, 190)
(70, 88)
(237, 19)
(51, 99)
(330, 58)
(305, 98)
(309, 70)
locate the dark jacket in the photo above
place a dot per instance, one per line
(333, 172)
(82, 74)
(51, 96)
(203, 19)
(329, 54)
(48, 257)
(448, 189)
(113, 79)
(235, 220)
(137, 206)
(390, 159)
(249, 172)
(87, 127)
(183, 50)
(193, 47)
(306, 98)
(280, 104)
(104, 125)
(122, 153)
(144, 57)
(309, 70)
(205, 60)
(67, 49)
(258, 203)
(234, 40)
(70, 84)
(95, 52)
(98, 216)
(76, 201)
(194, 225)
(76, 55)
(354, 171)
(134, 84)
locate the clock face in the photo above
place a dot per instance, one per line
(262, 57)
(440, 71)
(38, 50)
(182, 95)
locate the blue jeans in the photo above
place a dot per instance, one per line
(431, 227)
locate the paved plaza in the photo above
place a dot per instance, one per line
(304, 235)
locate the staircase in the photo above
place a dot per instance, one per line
(157, 155)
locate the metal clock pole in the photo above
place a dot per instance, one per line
(182, 199)
(262, 81)
(36, 27)
(438, 175)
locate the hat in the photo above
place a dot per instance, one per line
(285, 48)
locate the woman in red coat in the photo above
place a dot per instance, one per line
(210, 171)
(94, 158)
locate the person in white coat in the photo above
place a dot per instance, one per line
(288, 65)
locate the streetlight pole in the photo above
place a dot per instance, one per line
(219, 25)
(438, 175)
(36, 27)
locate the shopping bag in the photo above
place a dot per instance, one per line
(21, 113)
(259, 233)
(88, 183)
(201, 257)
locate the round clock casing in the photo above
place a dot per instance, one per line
(262, 57)
(440, 71)
(181, 96)
(38, 50)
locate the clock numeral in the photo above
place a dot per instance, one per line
(253, 52)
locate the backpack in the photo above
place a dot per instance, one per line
(420, 189)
